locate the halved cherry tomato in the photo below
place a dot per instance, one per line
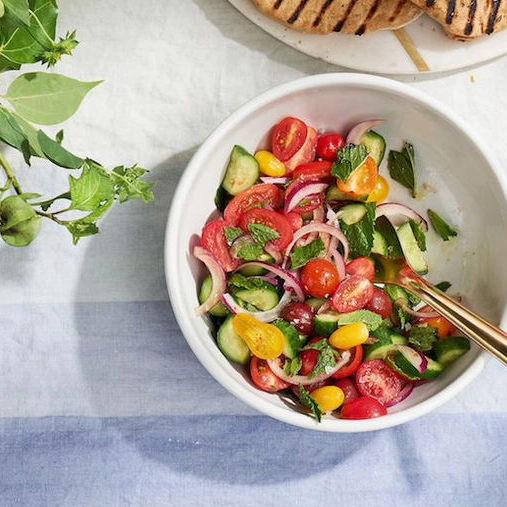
(309, 357)
(264, 378)
(380, 303)
(328, 144)
(441, 324)
(352, 294)
(363, 266)
(316, 170)
(300, 315)
(361, 181)
(306, 153)
(376, 379)
(349, 388)
(288, 137)
(263, 194)
(271, 219)
(356, 356)
(213, 239)
(295, 220)
(319, 278)
(362, 408)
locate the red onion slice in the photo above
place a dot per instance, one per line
(302, 191)
(274, 252)
(409, 387)
(274, 181)
(398, 213)
(303, 379)
(218, 280)
(414, 357)
(338, 262)
(415, 313)
(356, 133)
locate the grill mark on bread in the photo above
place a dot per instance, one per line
(471, 15)
(370, 14)
(430, 3)
(398, 10)
(277, 4)
(492, 17)
(451, 5)
(297, 12)
(340, 23)
(323, 10)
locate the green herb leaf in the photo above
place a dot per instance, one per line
(250, 252)
(57, 154)
(129, 185)
(232, 233)
(349, 158)
(309, 402)
(420, 237)
(31, 134)
(46, 98)
(325, 360)
(401, 167)
(442, 228)
(12, 134)
(87, 225)
(371, 319)
(300, 255)
(239, 281)
(360, 234)
(292, 366)
(443, 286)
(19, 9)
(382, 333)
(422, 337)
(262, 233)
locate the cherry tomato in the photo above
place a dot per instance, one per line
(380, 303)
(295, 220)
(363, 266)
(269, 165)
(288, 137)
(300, 315)
(328, 144)
(305, 154)
(380, 192)
(309, 358)
(317, 170)
(362, 408)
(264, 340)
(263, 194)
(264, 378)
(349, 336)
(356, 356)
(213, 239)
(442, 325)
(328, 398)
(320, 278)
(271, 219)
(361, 181)
(349, 388)
(353, 293)
(376, 379)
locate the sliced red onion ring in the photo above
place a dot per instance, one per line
(409, 387)
(303, 379)
(302, 191)
(356, 133)
(290, 280)
(338, 262)
(398, 213)
(415, 313)
(274, 252)
(414, 357)
(274, 181)
(318, 214)
(267, 316)
(325, 307)
(218, 281)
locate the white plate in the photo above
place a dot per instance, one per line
(381, 52)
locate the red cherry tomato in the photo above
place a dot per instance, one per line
(376, 379)
(264, 378)
(213, 239)
(380, 303)
(288, 137)
(361, 181)
(317, 170)
(349, 388)
(319, 278)
(305, 154)
(362, 408)
(309, 358)
(263, 194)
(442, 325)
(271, 219)
(300, 315)
(356, 356)
(328, 144)
(363, 266)
(353, 293)
(295, 220)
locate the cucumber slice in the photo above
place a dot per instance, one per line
(231, 344)
(375, 144)
(379, 244)
(352, 213)
(315, 303)
(449, 349)
(378, 350)
(263, 298)
(434, 369)
(400, 364)
(219, 310)
(242, 171)
(325, 323)
(411, 250)
(294, 341)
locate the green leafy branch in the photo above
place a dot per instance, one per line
(28, 35)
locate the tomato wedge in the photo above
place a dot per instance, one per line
(317, 170)
(264, 378)
(271, 219)
(363, 266)
(356, 356)
(352, 294)
(305, 154)
(264, 194)
(376, 379)
(361, 181)
(213, 239)
(295, 220)
(288, 137)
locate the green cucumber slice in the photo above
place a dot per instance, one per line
(263, 298)
(233, 347)
(242, 171)
(449, 349)
(219, 310)
(375, 144)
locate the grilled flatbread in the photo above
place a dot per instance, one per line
(467, 19)
(345, 16)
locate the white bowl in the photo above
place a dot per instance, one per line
(460, 179)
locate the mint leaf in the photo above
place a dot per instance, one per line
(309, 402)
(239, 281)
(420, 237)
(262, 233)
(292, 366)
(302, 254)
(382, 333)
(422, 338)
(443, 286)
(370, 319)
(360, 234)
(232, 233)
(401, 165)
(250, 252)
(349, 158)
(326, 359)
(442, 228)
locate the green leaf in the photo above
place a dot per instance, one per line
(262, 233)
(349, 158)
(19, 9)
(309, 402)
(87, 226)
(370, 319)
(401, 166)
(31, 134)
(250, 252)
(47, 98)
(232, 233)
(422, 337)
(302, 254)
(59, 136)
(326, 359)
(57, 153)
(419, 235)
(92, 189)
(442, 228)
(292, 366)
(239, 281)
(443, 286)
(360, 234)
(12, 134)
(129, 185)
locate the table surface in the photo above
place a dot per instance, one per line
(102, 403)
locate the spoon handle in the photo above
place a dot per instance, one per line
(485, 334)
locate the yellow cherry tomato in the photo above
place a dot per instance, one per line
(265, 341)
(349, 336)
(379, 193)
(269, 165)
(361, 181)
(328, 398)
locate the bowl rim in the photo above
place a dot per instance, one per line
(172, 274)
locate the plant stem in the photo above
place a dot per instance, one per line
(9, 173)
(51, 216)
